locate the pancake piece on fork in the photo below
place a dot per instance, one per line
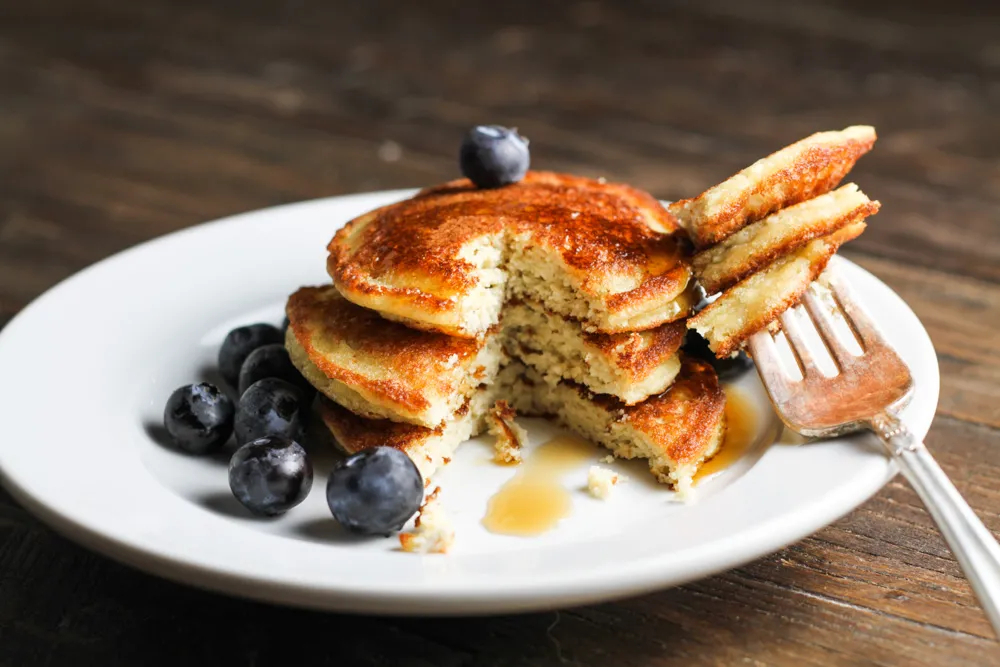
(755, 246)
(768, 231)
(757, 301)
(798, 172)
(446, 260)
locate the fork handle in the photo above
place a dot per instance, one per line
(972, 543)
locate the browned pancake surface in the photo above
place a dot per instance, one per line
(385, 361)
(404, 258)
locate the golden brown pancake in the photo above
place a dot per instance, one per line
(751, 305)
(757, 245)
(380, 368)
(795, 173)
(446, 260)
(429, 448)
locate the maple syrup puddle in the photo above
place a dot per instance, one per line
(535, 500)
(741, 431)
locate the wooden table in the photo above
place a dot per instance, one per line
(121, 121)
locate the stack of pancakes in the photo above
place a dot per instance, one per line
(566, 297)
(763, 235)
(563, 296)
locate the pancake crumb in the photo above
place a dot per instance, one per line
(600, 481)
(432, 531)
(510, 436)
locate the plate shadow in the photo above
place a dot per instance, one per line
(224, 503)
(158, 434)
(328, 531)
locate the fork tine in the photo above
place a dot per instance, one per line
(790, 325)
(863, 326)
(824, 324)
(770, 367)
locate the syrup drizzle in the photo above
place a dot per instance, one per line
(535, 500)
(741, 431)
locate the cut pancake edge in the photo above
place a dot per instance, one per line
(630, 366)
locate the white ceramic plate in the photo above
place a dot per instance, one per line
(85, 371)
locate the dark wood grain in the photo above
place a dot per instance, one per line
(123, 121)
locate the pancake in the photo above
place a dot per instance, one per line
(751, 305)
(757, 245)
(379, 368)
(446, 259)
(675, 431)
(629, 366)
(798, 172)
(429, 448)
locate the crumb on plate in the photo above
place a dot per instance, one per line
(600, 481)
(432, 532)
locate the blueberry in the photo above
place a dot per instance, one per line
(199, 418)
(238, 345)
(272, 361)
(270, 475)
(695, 345)
(492, 156)
(375, 492)
(270, 407)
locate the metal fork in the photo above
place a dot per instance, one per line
(866, 393)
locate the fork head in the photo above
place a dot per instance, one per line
(865, 384)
